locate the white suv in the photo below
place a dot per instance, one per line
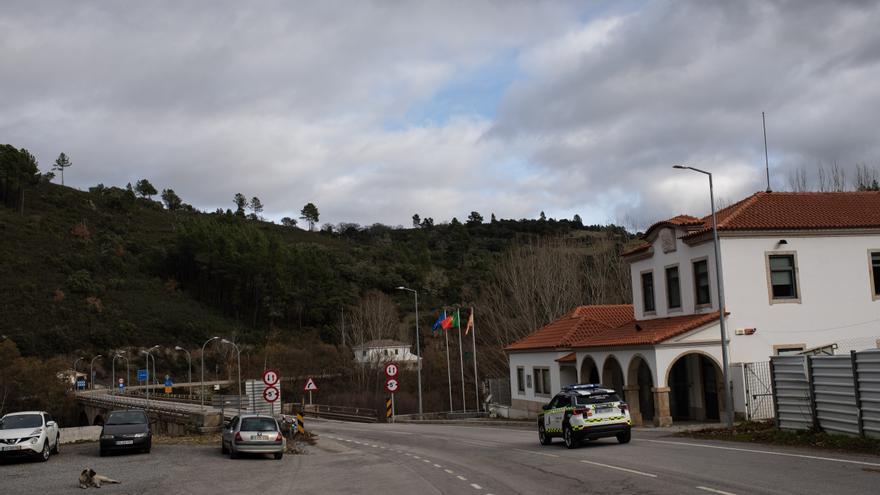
(29, 433)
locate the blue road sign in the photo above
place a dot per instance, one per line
(81, 383)
(143, 375)
(168, 382)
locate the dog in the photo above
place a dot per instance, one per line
(88, 477)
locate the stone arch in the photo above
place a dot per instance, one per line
(589, 371)
(98, 421)
(639, 390)
(696, 387)
(83, 419)
(612, 374)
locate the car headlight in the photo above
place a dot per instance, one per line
(35, 439)
(106, 437)
(140, 435)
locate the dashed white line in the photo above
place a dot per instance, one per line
(449, 471)
(476, 486)
(755, 451)
(712, 490)
(416, 457)
(462, 478)
(425, 460)
(374, 446)
(633, 471)
(536, 453)
(438, 466)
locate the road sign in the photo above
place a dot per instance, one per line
(392, 385)
(391, 370)
(143, 375)
(168, 382)
(121, 381)
(81, 383)
(270, 394)
(270, 377)
(310, 386)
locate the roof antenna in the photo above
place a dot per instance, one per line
(766, 159)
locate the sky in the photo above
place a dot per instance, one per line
(376, 110)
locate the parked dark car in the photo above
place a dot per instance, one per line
(126, 430)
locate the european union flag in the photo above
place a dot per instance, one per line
(436, 326)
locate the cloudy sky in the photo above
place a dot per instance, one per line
(378, 110)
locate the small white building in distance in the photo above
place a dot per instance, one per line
(376, 352)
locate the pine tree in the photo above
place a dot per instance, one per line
(171, 199)
(61, 163)
(240, 203)
(310, 215)
(256, 207)
(145, 189)
(416, 221)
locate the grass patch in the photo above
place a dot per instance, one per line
(767, 433)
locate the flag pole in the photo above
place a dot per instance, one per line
(474, 337)
(461, 359)
(448, 368)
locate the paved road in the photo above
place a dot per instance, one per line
(440, 459)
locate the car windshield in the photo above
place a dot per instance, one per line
(126, 418)
(586, 400)
(258, 424)
(21, 421)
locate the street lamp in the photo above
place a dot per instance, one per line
(119, 355)
(202, 382)
(725, 358)
(189, 366)
(418, 347)
(238, 351)
(151, 349)
(92, 372)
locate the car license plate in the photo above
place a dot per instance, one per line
(258, 437)
(603, 410)
(11, 447)
(125, 442)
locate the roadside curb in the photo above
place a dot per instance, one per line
(464, 422)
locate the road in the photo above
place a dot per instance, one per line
(440, 459)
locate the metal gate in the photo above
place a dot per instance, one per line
(758, 390)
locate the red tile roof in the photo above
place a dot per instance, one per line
(676, 221)
(568, 358)
(579, 329)
(575, 325)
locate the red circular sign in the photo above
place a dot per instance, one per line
(270, 377)
(392, 385)
(391, 370)
(271, 394)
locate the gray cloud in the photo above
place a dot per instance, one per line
(293, 102)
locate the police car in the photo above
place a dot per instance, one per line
(584, 412)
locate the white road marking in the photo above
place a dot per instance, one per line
(480, 444)
(633, 471)
(535, 453)
(476, 486)
(755, 451)
(425, 460)
(416, 457)
(374, 446)
(449, 471)
(712, 490)
(462, 478)
(438, 466)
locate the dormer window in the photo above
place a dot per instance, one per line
(648, 291)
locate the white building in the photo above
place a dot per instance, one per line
(376, 352)
(800, 271)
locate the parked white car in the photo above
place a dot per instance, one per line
(29, 433)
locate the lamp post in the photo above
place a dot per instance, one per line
(418, 347)
(202, 382)
(149, 354)
(238, 352)
(189, 366)
(150, 350)
(725, 357)
(119, 355)
(92, 371)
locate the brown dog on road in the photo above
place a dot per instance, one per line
(88, 477)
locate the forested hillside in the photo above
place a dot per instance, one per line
(84, 272)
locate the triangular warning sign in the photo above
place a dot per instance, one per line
(310, 386)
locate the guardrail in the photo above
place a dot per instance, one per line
(344, 413)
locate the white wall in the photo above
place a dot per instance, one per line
(683, 256)
(385, 354)
(530, 360)
(834, 288)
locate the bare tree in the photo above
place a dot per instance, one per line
(823, 179)
(866, 178)
(838, 178)
(797, 180)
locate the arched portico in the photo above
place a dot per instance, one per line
(695, 385)
(639, 390)
(612, 374)
(589, 371)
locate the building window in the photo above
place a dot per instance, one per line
(673, 288)
(648, 291)
(701, 283)
(363, 353)
(875, 274)
(542, 381)
(783, 276)
(788, 349)
(520, 379)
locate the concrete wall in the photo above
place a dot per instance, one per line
(529, 401)
(80, 434)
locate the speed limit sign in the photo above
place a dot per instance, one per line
(391, 370)
(392, 385)
(270, 394)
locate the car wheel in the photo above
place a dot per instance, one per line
(232, 454)
(624, 437)
(44, 454)
(55, 449)
(543, 437)
(568, 436)
(279, 455)
(223, 449)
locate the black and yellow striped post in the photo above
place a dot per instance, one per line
(300, 427)
(389, 410)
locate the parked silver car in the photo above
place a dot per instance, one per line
(253, 434)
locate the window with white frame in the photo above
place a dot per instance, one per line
(788, 349)
(783, 276)
(673, 288)
(520, 379)
(542, 381)
(648, 291)
(701, 283)
(875, 274)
